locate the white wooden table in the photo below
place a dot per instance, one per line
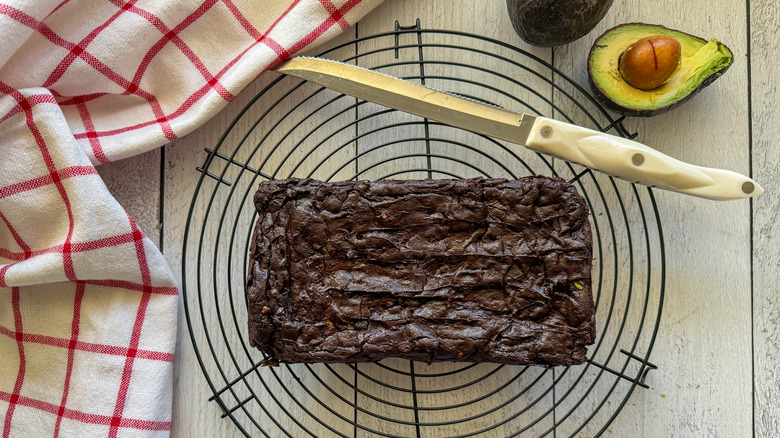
(718, 344)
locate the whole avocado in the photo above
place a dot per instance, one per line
(549, 23)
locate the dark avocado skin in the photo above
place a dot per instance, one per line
(613, 105)
(550, 23)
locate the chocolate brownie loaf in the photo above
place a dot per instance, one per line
(477, 270)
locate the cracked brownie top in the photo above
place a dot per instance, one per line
(480, 270)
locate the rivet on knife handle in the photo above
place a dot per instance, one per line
(634, 161)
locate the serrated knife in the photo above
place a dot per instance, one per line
(613, 155)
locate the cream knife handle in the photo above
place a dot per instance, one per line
(633, 161)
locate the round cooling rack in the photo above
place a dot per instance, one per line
(294, 128)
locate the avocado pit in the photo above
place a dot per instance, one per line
(650, 61)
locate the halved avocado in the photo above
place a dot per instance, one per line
(701, 63)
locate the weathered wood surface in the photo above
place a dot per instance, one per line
(717, 344)
(703, 384)
(135, 183)
(765, 124)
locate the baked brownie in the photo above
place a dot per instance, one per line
(477, 270)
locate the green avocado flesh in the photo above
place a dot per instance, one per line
(701, 62)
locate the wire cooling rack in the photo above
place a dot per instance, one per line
(293, 128)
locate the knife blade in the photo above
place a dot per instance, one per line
(616, 156)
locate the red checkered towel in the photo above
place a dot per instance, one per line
(87, 302)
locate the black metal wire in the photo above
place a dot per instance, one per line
(315, 131)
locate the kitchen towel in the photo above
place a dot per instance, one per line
(87, 302)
